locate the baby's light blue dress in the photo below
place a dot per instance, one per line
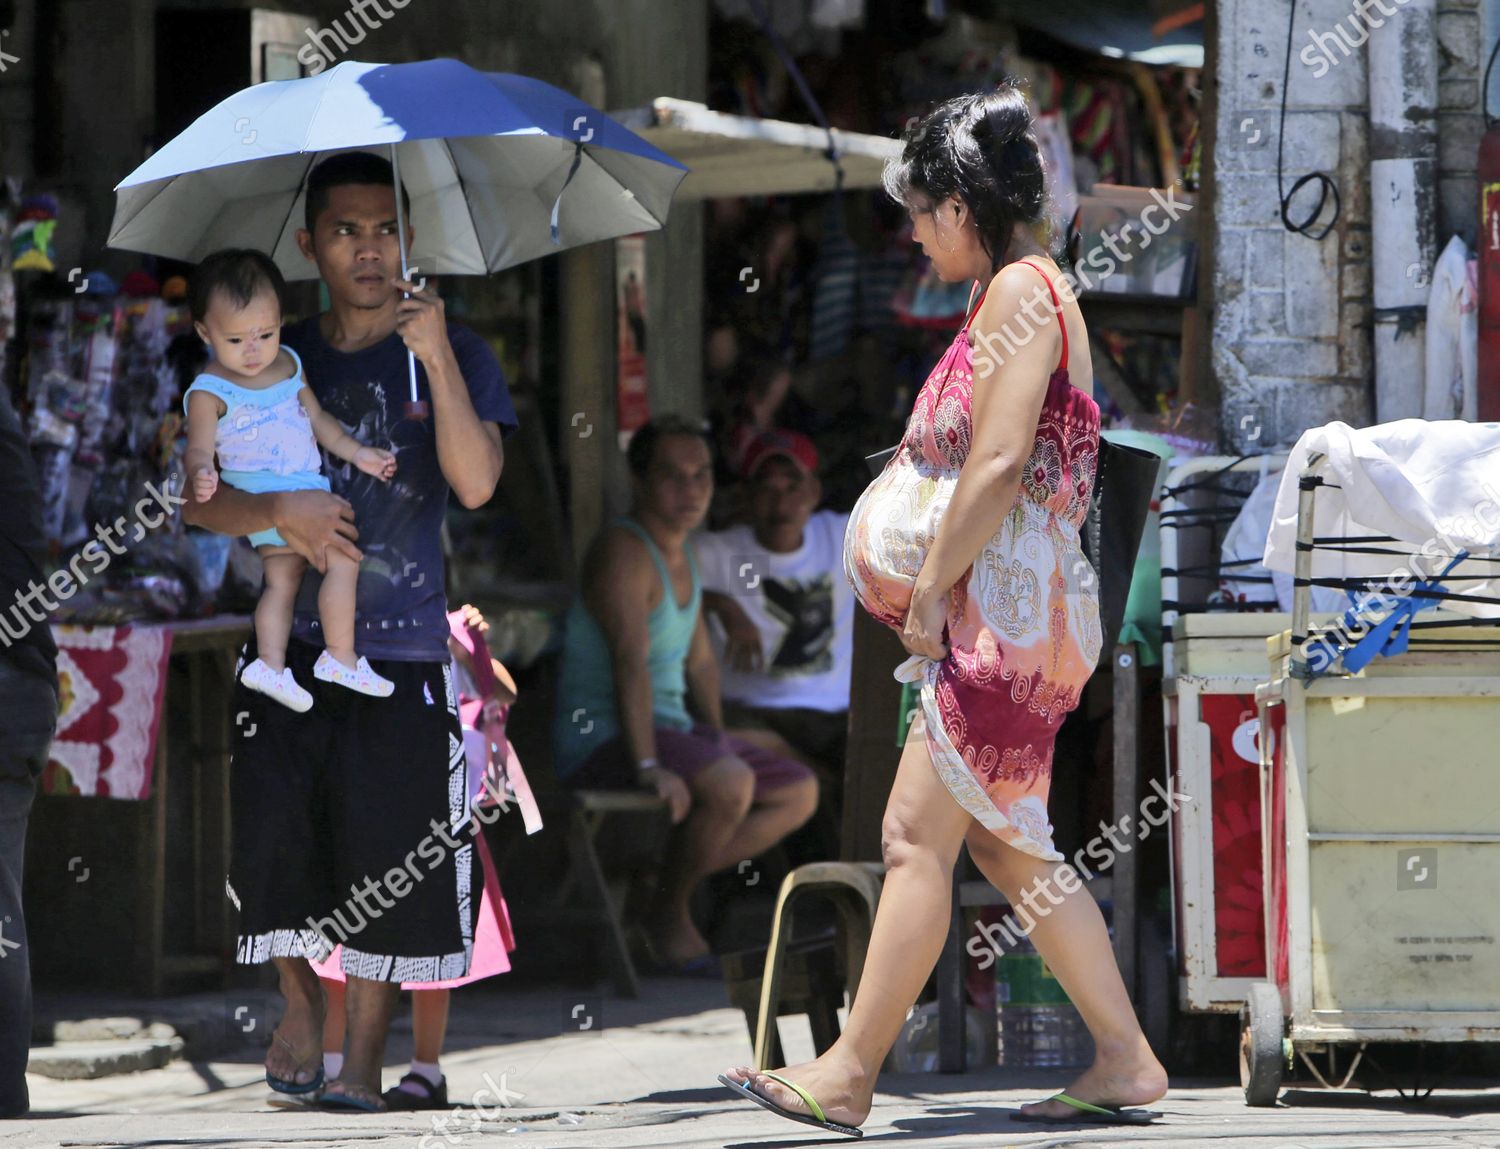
(265, 440)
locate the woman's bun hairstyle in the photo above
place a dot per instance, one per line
(982, 148)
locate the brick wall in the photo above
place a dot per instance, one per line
(1291, 336)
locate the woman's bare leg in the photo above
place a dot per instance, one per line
(336, 608)
(921, 835)
(1070, 934)
(273, 613)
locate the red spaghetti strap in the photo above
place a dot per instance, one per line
(1062, 322)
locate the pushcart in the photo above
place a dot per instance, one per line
(1381, 837)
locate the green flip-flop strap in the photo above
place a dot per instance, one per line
(807, 1098)
(1086, 1106)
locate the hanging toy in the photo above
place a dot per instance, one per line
(31, 241)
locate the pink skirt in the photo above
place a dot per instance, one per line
(493, 939)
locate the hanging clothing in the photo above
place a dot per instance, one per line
(1451, 389)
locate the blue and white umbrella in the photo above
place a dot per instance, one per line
(485, 157)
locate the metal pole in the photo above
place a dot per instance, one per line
(1307, 488)
(415, 409)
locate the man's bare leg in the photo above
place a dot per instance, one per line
(301, 1025)
(722, 794)
(368, 1009)
(774, 815)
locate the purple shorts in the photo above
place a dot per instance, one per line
(686, 753)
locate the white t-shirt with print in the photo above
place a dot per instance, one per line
(802, 605)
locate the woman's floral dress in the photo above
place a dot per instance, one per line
(1023, 630)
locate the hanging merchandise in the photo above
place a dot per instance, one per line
(835, 285)
(1452, 336)
(31, 240)
(1057, 162)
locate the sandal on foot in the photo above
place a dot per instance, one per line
(425, 1095)
(818, 1118)
(295, 1088)
(351, 1097)
(1091, 1114)
(361, 678)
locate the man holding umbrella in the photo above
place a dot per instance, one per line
(342, 797)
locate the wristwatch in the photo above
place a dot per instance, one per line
(643, 773)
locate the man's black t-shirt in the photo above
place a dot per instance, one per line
(401, 609)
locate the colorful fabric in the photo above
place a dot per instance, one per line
(1023, 625)
(111, 681)
(494, 769)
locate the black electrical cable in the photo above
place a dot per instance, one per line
(1326, 186)
(1489, 120)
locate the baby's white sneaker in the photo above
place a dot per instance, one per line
(277, 684)
(361, 679)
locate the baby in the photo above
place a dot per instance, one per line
(255, 410)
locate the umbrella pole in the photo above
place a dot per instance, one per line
(415, 408)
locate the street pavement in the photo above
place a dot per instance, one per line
(642, 1073)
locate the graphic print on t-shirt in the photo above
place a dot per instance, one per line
(805, 609)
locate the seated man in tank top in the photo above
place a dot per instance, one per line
(636, 651)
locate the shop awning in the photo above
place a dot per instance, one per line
(742, 155)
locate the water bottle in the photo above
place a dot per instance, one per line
(1039, 1026)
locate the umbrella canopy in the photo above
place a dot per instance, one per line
(484, 156)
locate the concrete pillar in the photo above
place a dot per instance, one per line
(1403, 63)
(653, 48)
(661, 49)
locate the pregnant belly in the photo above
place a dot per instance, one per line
(890, 531)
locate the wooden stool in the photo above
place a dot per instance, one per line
(810, 984)
(588, 811)
(854, 889)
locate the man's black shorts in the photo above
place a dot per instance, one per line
(351, 824)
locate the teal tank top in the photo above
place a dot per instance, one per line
(587, 716)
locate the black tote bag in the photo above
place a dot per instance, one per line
(1124, 485)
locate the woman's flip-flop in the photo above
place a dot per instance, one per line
(818, 1118)
(1091, 1114)
(296, 1089)
(351, 1097)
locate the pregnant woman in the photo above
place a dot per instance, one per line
(968, 545)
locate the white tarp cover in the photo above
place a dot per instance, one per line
(1435, 486)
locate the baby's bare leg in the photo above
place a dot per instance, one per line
(336, 607)
(284, 568)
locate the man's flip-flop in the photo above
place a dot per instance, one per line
(818, 1118)
(1090, 1114)
(296, 1089)
(352, 1097)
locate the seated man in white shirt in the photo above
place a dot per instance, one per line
(781, 614)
